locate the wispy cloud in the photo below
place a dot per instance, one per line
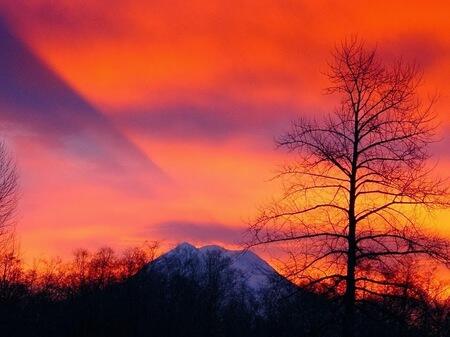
(35, 98)
(202, 232)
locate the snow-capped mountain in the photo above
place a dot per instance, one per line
(236, 265)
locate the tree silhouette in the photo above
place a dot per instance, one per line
(8, 198)
(10, 270)
(355, 198)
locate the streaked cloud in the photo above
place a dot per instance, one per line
(201, 232)
(35, 98)
(197, 88)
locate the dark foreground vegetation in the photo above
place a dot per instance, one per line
(106, 294)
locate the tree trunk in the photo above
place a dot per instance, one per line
(350, 290)
(349, 297)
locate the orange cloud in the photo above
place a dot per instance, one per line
(201, 88)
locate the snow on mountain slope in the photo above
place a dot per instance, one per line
(188, 260)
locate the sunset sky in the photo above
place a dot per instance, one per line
(134, 120)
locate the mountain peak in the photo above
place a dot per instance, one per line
(189, 261)
(185, 246)
(213, 248)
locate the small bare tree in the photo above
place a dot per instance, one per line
(8, 199)
(355, 198)
(10, 264)
(134, 259)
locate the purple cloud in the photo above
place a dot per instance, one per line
(35, 98)
(203, 232)
(425, 50)
(218, 119)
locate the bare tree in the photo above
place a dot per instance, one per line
(10, 263)
(8, 196)
(134, 259)
(78, 275)
(356, 196)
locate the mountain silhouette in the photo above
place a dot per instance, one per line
(238, 268)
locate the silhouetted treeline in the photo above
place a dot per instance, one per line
(105, 294)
